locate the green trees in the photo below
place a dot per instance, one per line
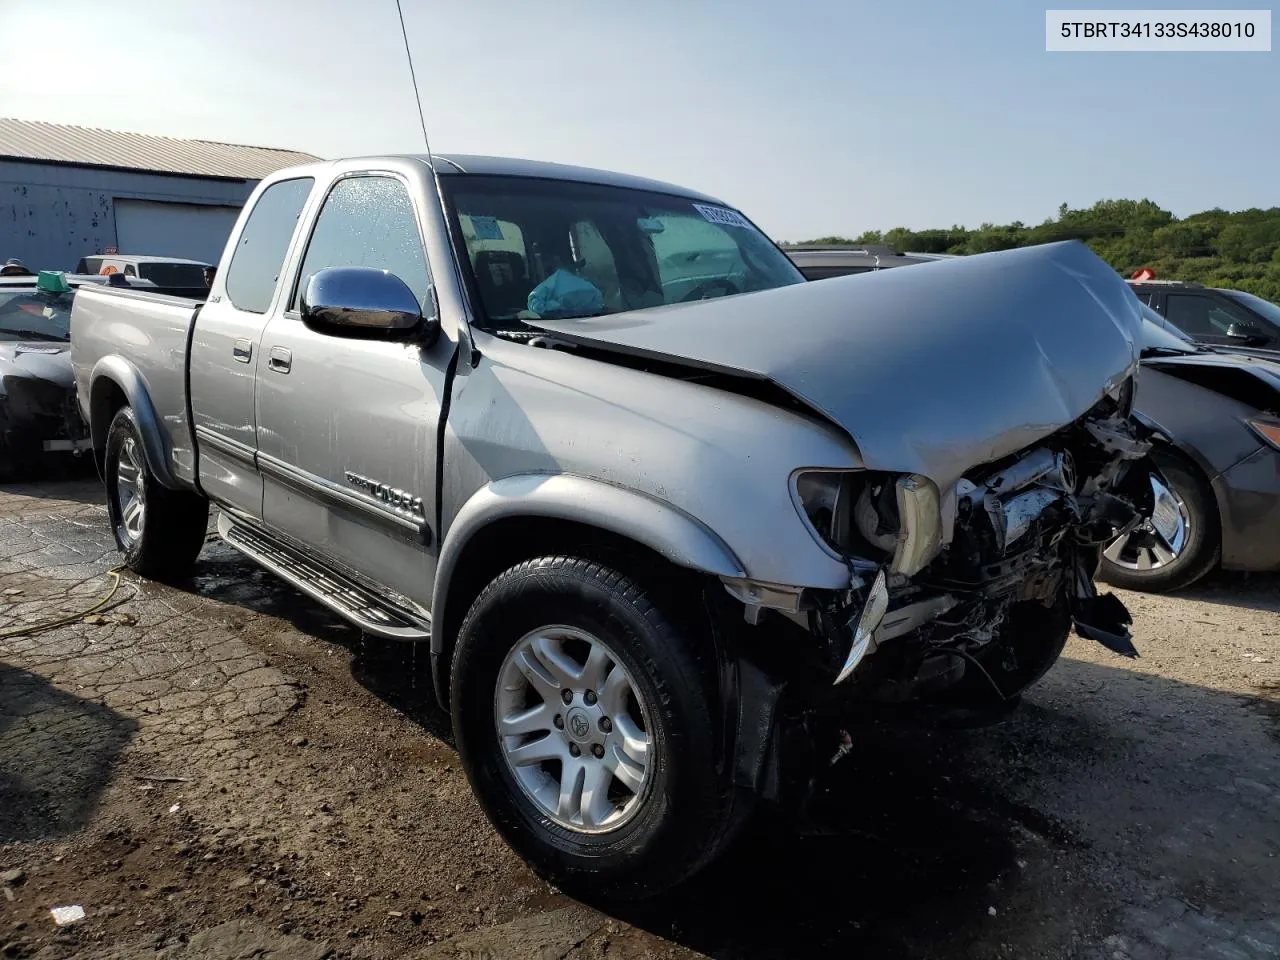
(1216, 248)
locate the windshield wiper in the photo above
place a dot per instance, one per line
(1169, 352)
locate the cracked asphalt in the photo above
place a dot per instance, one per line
(228, 771)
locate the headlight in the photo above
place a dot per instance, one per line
(823, 498)
(920, 525)
(865, 513)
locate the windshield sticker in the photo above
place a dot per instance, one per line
(721, 215)
(486, 228)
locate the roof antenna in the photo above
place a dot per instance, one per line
(414, 77)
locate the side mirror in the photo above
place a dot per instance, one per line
(1247, 333)
(364, 301)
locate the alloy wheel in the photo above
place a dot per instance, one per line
(573, 729)
(131, 494)
(1159, 540)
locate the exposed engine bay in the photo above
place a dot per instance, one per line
(990, 604)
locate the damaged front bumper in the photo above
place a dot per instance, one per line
(1026, 531)
(40, 416)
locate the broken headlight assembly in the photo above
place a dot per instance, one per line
(875, 516)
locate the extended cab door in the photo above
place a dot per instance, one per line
(225, 345)
(342, 420)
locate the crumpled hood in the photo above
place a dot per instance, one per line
(931, 370)
(41, 359)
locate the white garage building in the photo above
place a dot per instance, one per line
(69, 192)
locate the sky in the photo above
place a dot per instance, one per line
(814, 117)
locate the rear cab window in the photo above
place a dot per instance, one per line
(260, 251)
(173, 274)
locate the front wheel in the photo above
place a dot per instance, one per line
(584, 722)
(159, 531)
(1176, 545)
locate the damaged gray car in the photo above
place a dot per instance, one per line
(656, 507)
(38, 412)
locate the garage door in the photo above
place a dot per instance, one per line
(187, 230)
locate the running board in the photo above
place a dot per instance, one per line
(340, 594)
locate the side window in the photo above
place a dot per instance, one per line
(259, 254)
(368, 222)
(1190, 314)
(129, 271)
(1212, 318)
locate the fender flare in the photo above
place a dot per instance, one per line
(656, 524)
(116, 370)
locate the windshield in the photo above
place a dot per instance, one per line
(173, 274)
(1265, 308)
(560, 249)
(30, 314)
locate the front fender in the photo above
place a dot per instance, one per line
(661, 527)
(118, 372)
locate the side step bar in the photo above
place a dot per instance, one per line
(347, 599)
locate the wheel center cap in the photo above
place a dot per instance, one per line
(578, 724)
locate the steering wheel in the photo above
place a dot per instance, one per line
(703, 291)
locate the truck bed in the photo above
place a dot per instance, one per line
(141, 338)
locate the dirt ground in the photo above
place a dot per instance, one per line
(229, 772)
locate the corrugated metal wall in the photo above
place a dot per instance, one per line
(52, 215)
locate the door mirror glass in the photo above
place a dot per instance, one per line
(1246, 333)
(361, 300)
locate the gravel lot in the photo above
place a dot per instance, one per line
(230, 772)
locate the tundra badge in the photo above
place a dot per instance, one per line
(387, 494)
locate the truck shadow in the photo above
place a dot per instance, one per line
(397, 673)
(900, 855)
(932, 842)
(57, 754)
(83, 487)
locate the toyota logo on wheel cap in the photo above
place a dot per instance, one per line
(579, 724)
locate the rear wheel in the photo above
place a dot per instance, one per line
(584, 722)
(1177, 544)
(159, 531)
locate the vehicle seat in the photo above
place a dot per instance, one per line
(503, 280)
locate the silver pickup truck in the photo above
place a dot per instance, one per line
(650, 498)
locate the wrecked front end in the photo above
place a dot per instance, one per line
(984, 614)
(936, 627)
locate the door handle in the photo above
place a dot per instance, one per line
(279, 359)
(242, 350)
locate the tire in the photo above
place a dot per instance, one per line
(639, 840)
(1025, 648)
(159, 531)
(1200, 550)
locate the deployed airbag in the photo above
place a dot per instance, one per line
(565, 294)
